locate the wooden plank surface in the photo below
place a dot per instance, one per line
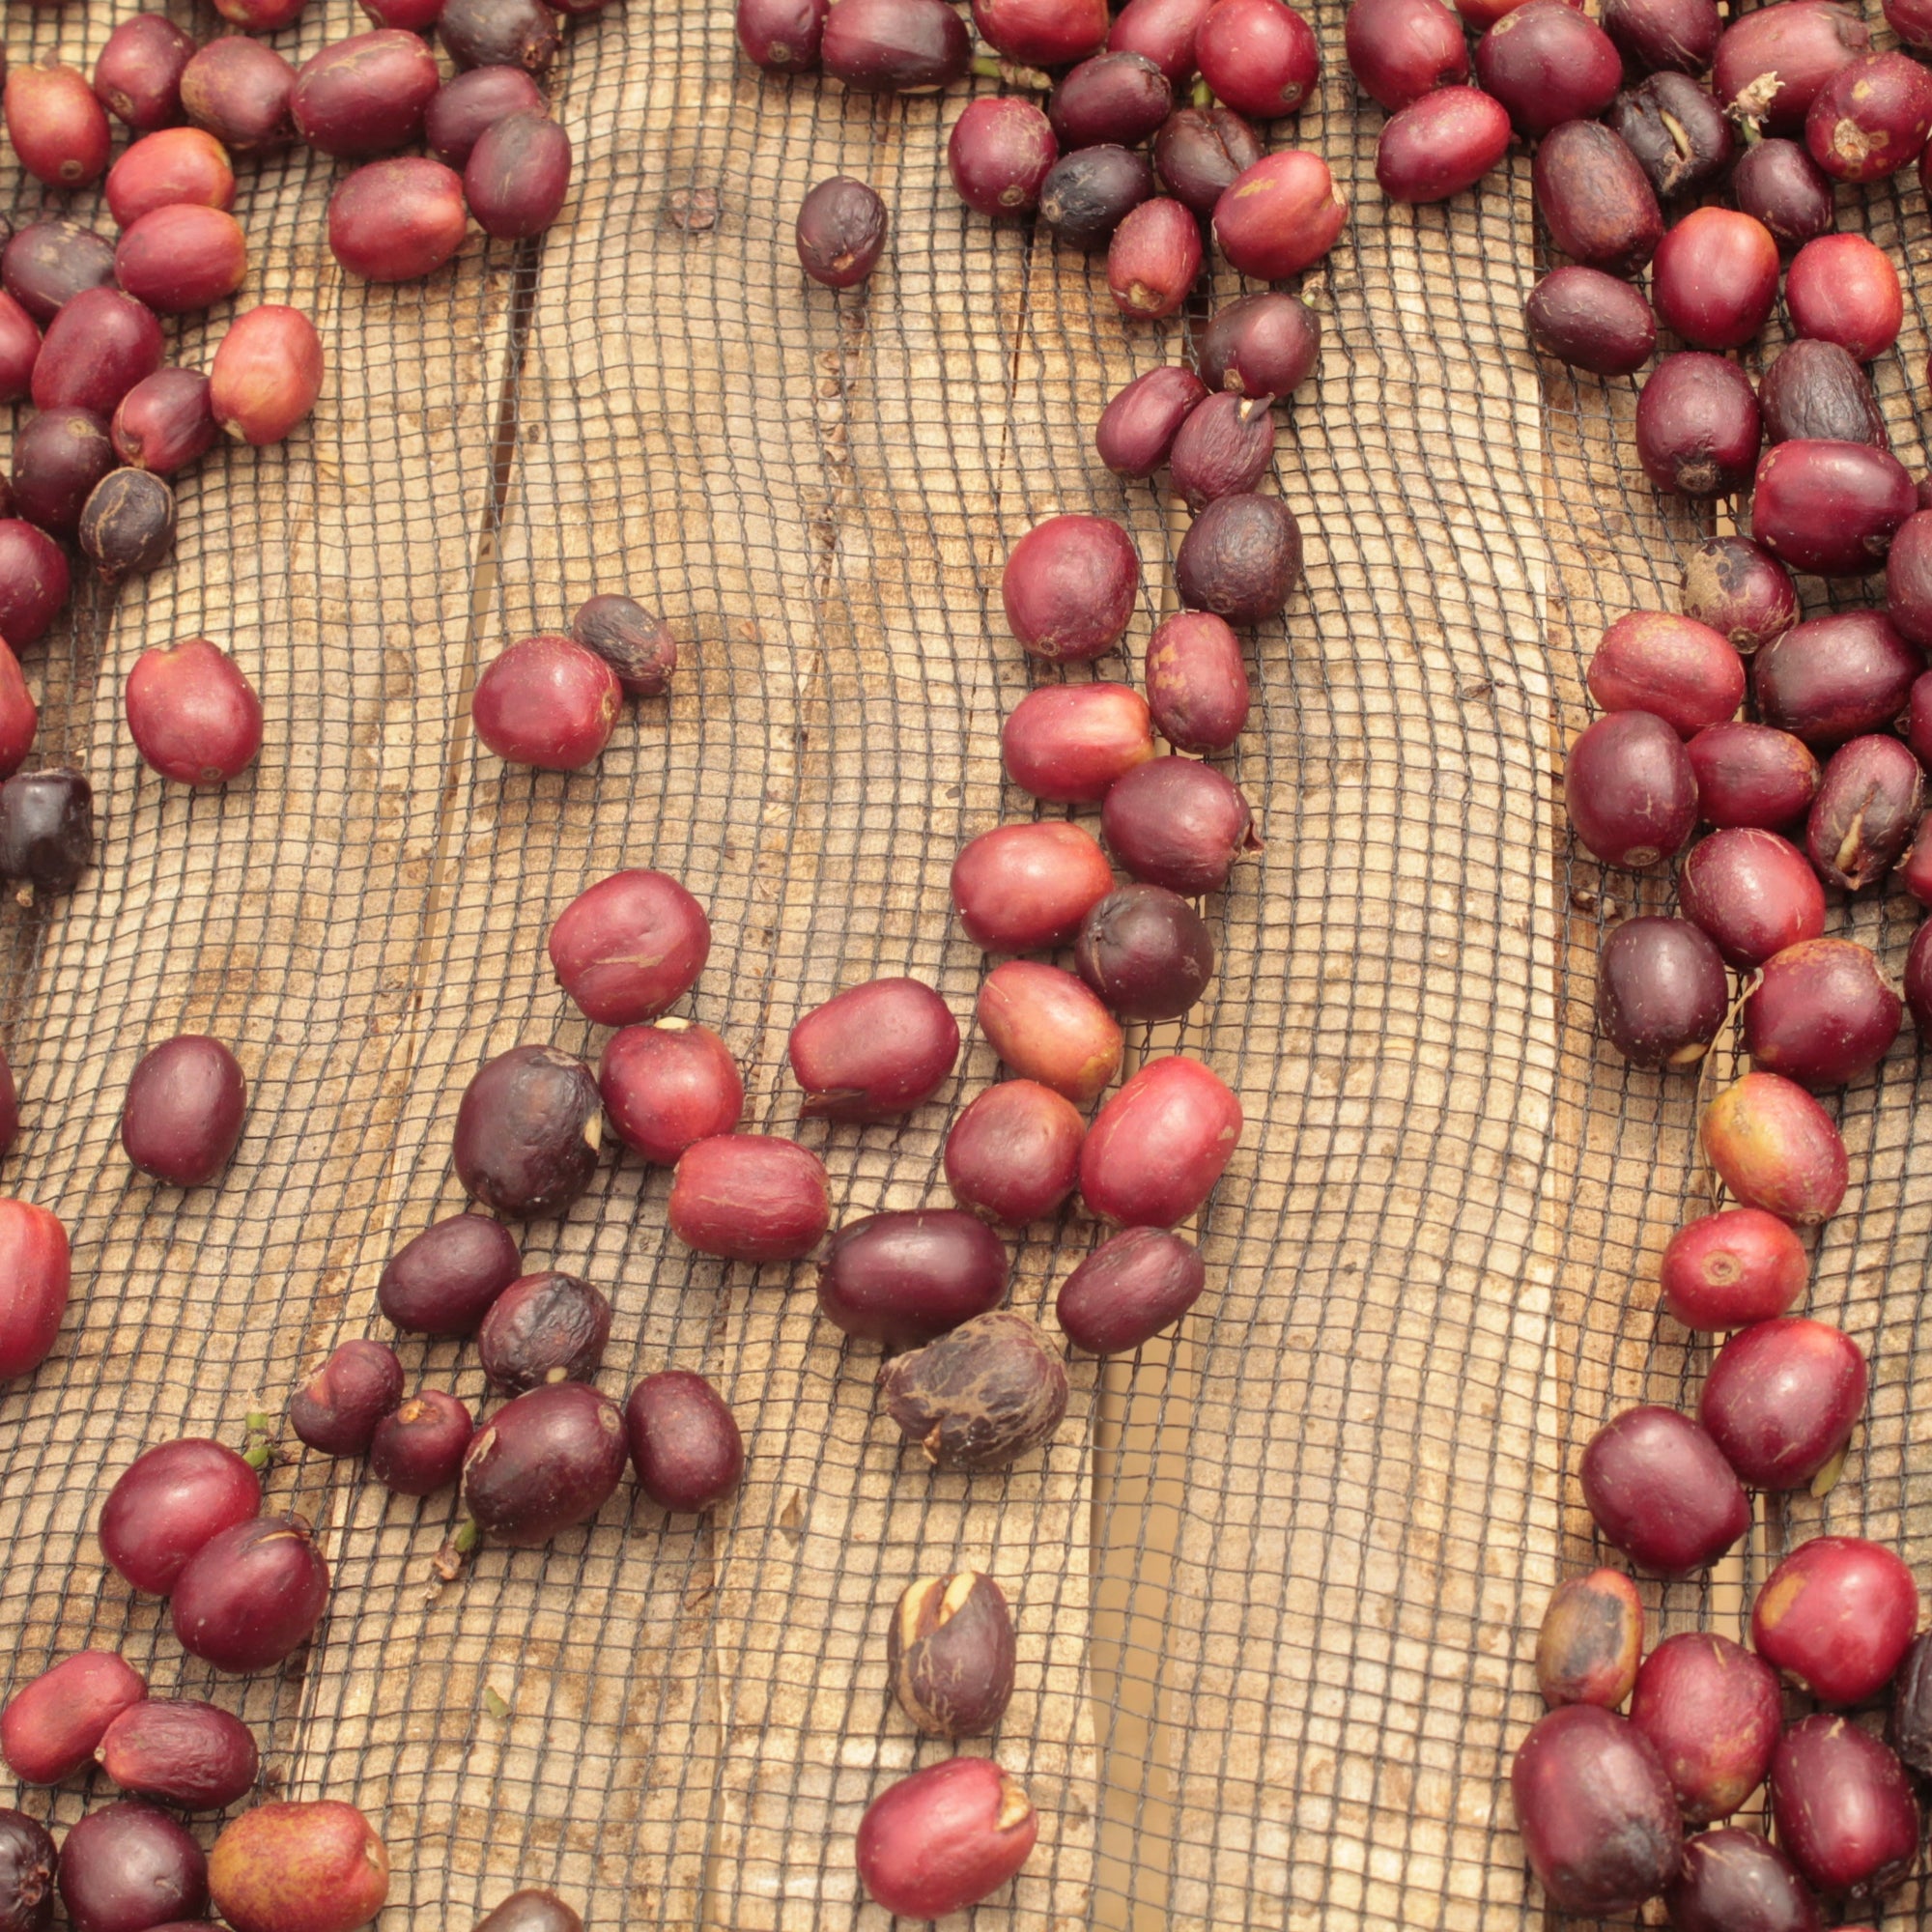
(1274, 1576)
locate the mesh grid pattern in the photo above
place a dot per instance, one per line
(1274, 1578)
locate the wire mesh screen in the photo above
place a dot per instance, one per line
(1273, 1581)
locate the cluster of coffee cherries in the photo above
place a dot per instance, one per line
(1078, 163)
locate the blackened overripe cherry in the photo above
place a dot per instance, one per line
(46, 830)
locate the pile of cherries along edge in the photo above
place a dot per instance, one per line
(1798, 102)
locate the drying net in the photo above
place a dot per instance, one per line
(1274, 1579)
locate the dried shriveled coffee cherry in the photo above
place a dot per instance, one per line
(170, 1501)
(36, 1273)
(951, 1655)
(547, 701)
(137, 77)
(842, 230)
(52, 1723)
(192, 715)
(1662, 992)
(1225, 445)
(1153, 257)
(1665, 36)
(1088, 195)
(750, 1197)
(630, 947)
(1821, 1013)
(1783, 1399)
(1662, 1493)
(267, 374)
(895, 46)
(1829, 507)
(319, 1867)
(1177, 823)
(1814, 392)
(1240, 558)
(337, 1408)
(1197, 682)
(1775, 1147)
(1729, 1269)
(945, 1837)
(27, 1861)
(1845, 1811)
(128, 1867)
(398, 220)
(1146, 952)
(1684, 672)
(1599, 1821)
(684, 1440)
(1596, 197)
(365, 95)
(183, 1117)
(544, 1463)
(1068, 743)
(1699, 424)
(128, 524)
(166, 421)
(875, 1051)
(1711, 1711)
(1014, 1156)
(1068, 587)
(1441, 143)
(1048, 1026)
(1159, 1145)
(637, 643)
(1734, 1879)
(1132, 1286)
(1836, 1616)
(46, 263)
(1630, 790)
(251, 1596)
(1910, 1729)
(499, 33)
(1281, 215)
(1260, 56)
(780, 36)
(178, 164)
(1868, 808)
(183, 1753)
(466, 107)
(240, 91)
(980, 1395)
(668, 1086)
(444, 1281)
(46, 830)
(1025, 888)
(529, 1131)
(34, 581)
(418, 1449)
(1677, 131)
(1200, 153)
(1778, 183)
(904, 1277)
(546, 1327)
(1590, 1640)
(1843, 289)
(1400, 50)
(1263, 345)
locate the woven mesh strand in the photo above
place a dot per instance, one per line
(1275, 1576)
